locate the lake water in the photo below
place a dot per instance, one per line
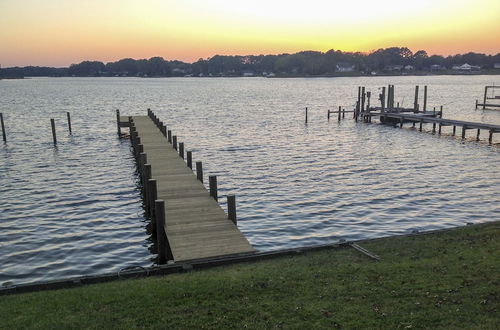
(75, 209)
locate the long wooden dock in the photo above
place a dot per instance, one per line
(190, 222)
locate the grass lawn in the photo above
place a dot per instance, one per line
(448, 279)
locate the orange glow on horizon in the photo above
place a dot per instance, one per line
(58, 32)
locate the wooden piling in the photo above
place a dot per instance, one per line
(433, 128)
(199, 171)
(401, 122)
(147, 176)
(339, 113)
(425, 98)
(382, 99)
(454, 130)
(477, 135)
(160, 231)
(490, 137)
(343, 113)
(306, 115)
(476, 105)
(152, 196)
(169, 136)
(117, 122)
(231, 209)
(328, 114)
(416, 99)
(143, 160)
(69, 123)
(421, 124)
(181, 149)
(53, 124)
(164, 130)
(439, 131)
(463, 131)
(363, 98)
(4, 135)
(212, 181)
(174, 142)
(485, 97)
(190, 159)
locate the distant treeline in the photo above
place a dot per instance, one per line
(306, 63)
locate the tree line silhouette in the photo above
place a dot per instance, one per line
(305, 63)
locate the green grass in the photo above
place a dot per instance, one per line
(444, 280)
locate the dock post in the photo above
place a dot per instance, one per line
(328, 115)
(190, 159)
(4, 135)
(454, 130)
(199, 171)
(152, 195)
(441, 112)
(181, 149)
(231, 209)
(339, 113)
(169, 136)
(421, 123)
(425, 98)
(147, 176)
(343, 113)
(53, 124)
(212, 180)
(401, 122)
(463, 131)
(382, 99)
(117, 121)
(306, 115)
(363, 98)
(416, 99)
(433, 128)
(143, 160)
(490, 137)
(174, 142)
(485, 96)
(439, 131)
(478, 132)
(368, 96)
(139, 150)
(69, 123)
(476, 105)
(160, 234)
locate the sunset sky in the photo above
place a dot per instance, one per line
(61, 32)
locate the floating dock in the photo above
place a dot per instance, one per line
(189, 222)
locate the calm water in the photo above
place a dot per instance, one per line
(75, 209)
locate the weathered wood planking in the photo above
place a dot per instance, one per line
(196, 227)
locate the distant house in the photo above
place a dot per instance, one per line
(393, 68)
(437, 67)
(466, 67)
(344, 67)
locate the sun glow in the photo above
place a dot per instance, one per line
(58, 32)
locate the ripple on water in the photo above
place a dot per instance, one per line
(75, 209)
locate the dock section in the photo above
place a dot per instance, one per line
(189, 222)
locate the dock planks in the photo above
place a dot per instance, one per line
(196, 227)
